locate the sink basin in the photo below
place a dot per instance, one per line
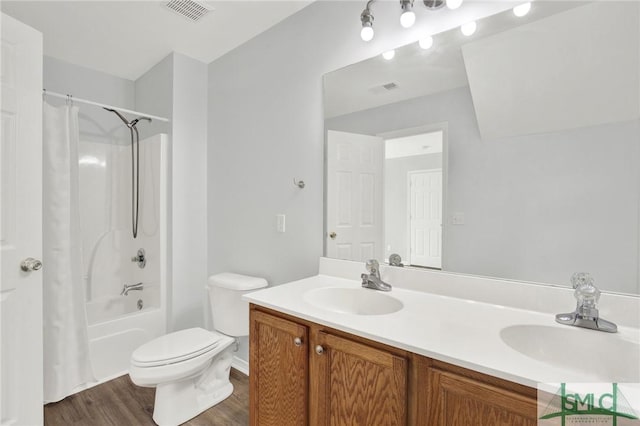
(605, 356)
(358, 301)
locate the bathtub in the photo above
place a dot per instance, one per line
(118, 325)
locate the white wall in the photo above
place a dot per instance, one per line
(63, 77)
(189, 204)
(177, 88)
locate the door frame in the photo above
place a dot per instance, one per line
(430, 128)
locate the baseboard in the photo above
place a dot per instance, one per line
(241, 365)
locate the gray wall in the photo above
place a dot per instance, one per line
(538, 207)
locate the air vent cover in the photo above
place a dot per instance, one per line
(193, 10)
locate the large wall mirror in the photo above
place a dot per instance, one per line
(511, 153)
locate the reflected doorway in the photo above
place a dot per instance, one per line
(413, 197)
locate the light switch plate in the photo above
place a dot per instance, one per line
(280, 226)
(457, 218)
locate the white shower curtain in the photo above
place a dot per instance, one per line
(66, 345)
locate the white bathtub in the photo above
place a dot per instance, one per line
(117, 327)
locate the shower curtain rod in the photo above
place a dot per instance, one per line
(46, 92)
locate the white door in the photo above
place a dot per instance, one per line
(425, 218)
(20, 225)
(354, 196)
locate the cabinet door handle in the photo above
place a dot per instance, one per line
(319, 350)
(297, 341)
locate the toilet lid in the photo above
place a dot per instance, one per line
(175, 347)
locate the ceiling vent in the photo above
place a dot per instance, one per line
(383, 88)
(193, 10)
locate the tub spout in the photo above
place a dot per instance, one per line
(129, 287)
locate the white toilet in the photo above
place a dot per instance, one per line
(190, 368)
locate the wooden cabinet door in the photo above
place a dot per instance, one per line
(355, 384)
(279, 362)
(461, 401)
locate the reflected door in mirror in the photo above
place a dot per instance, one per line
(354, 196)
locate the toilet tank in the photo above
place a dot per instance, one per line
(229, 312)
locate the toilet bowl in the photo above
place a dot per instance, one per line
(190, 368)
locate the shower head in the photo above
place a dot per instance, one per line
(119, 115)
(129, 124)
(134, 122)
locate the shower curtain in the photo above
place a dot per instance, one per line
(66, 345)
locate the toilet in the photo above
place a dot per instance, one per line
(190, 368)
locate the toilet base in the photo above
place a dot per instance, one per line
(178, 402)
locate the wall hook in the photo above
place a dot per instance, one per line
(298, 183)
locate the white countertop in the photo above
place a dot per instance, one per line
(468, 333)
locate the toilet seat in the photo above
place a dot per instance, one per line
(173, 362)
(176, 347)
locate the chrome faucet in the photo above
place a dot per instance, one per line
(586, 313)
(372, 279)
(130, 287)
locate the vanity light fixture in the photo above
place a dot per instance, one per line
(366, 18)
(389, 54)
(426, 43)
(408, 17)
(522, 10)
(469, 28)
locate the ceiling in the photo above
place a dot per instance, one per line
(126, 38)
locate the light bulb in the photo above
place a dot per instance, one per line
(522, 9)
(454, 4)
(367, 33)
(426, 42)
(389, 54)
(407, 19)
(469, 28)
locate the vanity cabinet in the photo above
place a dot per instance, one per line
(278, 351)
(456, 400)
(356, 384)
(303, 373)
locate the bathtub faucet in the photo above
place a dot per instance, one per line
(128, 287)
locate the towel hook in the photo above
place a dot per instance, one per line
(298, 183)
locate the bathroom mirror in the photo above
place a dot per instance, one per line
(511, 153)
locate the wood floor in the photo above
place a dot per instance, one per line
(121, 403)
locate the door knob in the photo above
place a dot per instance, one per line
(297, 341)
(30, 264)
(319, 350)
(333, 235)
